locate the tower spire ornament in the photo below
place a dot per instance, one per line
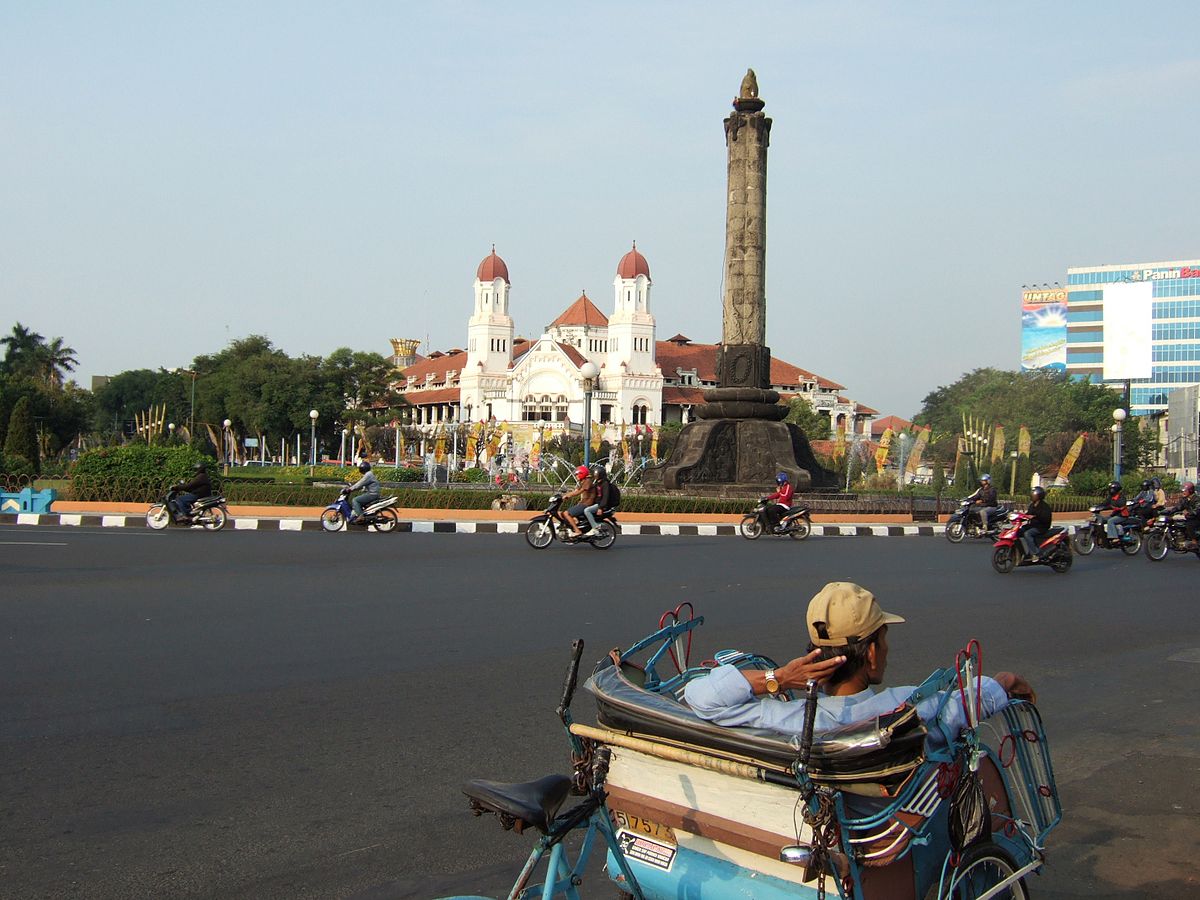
(741, 441)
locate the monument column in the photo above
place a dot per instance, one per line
(740, 441)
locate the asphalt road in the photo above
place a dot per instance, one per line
(266, 715)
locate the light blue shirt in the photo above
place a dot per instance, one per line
(725, 698)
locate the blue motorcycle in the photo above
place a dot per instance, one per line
(688, 808)
(380, 515)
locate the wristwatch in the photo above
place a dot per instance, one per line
(772, 682)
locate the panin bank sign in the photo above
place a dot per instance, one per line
(1160, 274)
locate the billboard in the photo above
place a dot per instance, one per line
(1044, 329)
(1128, 324)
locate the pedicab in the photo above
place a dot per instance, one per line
(687, 808)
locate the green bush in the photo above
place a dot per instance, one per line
(21, 440)
(18, 466)
(133, 473)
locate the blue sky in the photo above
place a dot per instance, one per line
(177, 175)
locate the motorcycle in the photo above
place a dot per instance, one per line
(548, 526)
(209, 513)
(1166, 533)
(964, 523)
(1092, 534)
(684, 807)
(380, 515)
(1054, 550)
(796, 522)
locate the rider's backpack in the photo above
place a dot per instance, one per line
(614, 495)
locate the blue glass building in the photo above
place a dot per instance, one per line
(1164, 331)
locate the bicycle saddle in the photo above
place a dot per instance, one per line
(533, 803)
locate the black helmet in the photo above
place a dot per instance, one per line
(1146, 484)
(1038, 492)
(598, 472)
(364, 466)
(200, 467)
(1114, 487)
(1156, 484)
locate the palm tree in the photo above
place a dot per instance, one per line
(56, 360)
(22, 348)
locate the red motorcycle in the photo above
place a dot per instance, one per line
(1054, 550)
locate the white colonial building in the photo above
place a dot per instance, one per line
(641, 382)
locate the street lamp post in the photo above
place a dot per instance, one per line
(589, 371)
(903, 440)
(1118, 418)
(228, 444)
(1012, 484)
(312, 447)
(171, 432)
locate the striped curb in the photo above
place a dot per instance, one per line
(420, 526)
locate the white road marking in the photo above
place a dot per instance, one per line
(34, 543)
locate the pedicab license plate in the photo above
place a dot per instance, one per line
(644, 840)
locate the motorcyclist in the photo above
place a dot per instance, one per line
(586, 492)
(604, 496)
(1188, 504)
(1114, 501)
(1041, 516)
(783, 500)
(984, 501)
(1160, 496)
(370, 487)
(1134, 512)
(189, 492)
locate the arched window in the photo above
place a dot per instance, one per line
(560, 408)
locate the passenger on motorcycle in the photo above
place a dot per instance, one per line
(1160, 496)
(1137, 511)
(371, 489)
(984, 501)
(189, 492)
(848, 652)
(1034, 531)
(1189, 505)
(783, 500)
(586, 492)
(604, 496)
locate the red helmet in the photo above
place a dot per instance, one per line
(1189, 488)
(582, 472)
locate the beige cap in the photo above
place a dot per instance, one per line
(848, 613)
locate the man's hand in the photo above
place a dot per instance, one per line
(1016, 686)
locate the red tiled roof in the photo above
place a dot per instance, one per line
(679, 339)
(432, 395)
(633, 264)
(879, 426)
(703, 358)
(492, 267)
(436, 363)
(572, 354)
(679, 395)
(865, 410)
(582, 312)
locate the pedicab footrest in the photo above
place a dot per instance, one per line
(530, 803)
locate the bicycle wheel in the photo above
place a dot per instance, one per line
(605, 536)
(1004, 559)
(751, 528)
(799, 529)
(982, 869)
(539, 534)
(213, 519)
(158, 517)
(387, 521)
(955, 532)
(1133, 545)
(1083, 541)
(1156, 546)
(332, 520)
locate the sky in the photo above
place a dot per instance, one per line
(178, 175)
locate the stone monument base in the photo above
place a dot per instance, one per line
(738, 455)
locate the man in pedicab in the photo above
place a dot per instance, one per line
(848, 648)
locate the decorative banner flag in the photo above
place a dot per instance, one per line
(914, 458)
(1068, 462)
(998, 447)
(439, 451)
(839, 446)
(1023, 441)
(597, 436)
(654, 445)
(535, 455)
(882, 453)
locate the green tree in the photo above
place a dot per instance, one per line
(814, 425)
(21, 439)
(21, 350)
